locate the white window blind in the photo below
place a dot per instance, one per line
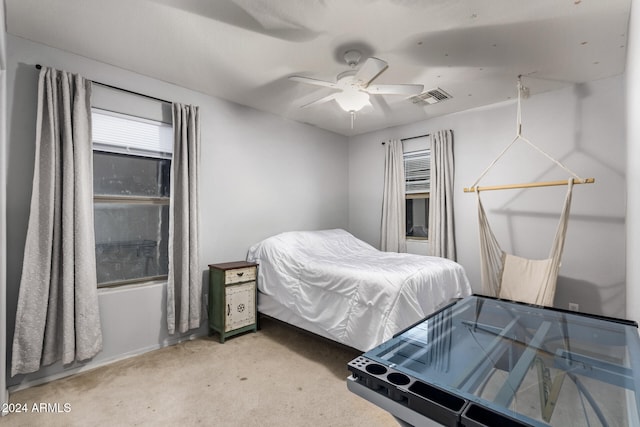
(117, 133)
(417, 171)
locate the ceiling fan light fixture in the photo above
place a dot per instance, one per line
(352, 100)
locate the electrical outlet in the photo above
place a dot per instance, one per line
(574, 306)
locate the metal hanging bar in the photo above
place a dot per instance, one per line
(38, 66)
(411, 137)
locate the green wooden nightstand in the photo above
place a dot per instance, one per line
(232, 298)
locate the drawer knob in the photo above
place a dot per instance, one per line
(240, 274)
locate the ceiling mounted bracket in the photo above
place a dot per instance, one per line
(352, 58)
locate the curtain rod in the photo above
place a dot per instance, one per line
(412, 137)
(38, 66)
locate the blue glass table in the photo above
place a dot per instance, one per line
(487, 362)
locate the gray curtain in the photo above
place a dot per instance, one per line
(441, 229)
(184, 288)
(392, 233)
(57, 316)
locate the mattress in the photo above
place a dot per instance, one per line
(344, 289)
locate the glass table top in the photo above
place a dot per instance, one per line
(493, 358)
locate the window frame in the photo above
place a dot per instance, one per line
(412, 196)
(115, 149)
(420, 193)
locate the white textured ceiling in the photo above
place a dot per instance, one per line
(244, 50)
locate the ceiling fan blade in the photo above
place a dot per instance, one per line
(407, 90)
(320, 101)
(311, 81)
(371, 69)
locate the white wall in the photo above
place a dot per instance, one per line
(633, 166)
(583, 126)
(260, 175)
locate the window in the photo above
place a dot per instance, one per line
(417, 173)
(131, 177)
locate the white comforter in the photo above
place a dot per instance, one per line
(359, 295)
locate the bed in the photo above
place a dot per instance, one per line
(337, 286)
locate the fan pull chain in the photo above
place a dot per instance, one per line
(353, 117)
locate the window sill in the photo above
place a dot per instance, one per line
(119, 286)
(417, 239)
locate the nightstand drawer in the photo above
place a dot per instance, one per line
(238, 275)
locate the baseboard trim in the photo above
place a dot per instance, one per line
(90, 366)
(4, 400)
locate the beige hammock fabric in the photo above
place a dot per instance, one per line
(519, 279)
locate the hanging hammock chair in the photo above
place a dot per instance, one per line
(519, 279)
(512, 277)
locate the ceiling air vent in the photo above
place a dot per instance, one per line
(430, 97)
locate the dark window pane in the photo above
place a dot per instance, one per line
(131, 241)
(122, 175)
(417, 211)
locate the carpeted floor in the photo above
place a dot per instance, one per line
(279, 376)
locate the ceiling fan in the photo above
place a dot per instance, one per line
(353, 87)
